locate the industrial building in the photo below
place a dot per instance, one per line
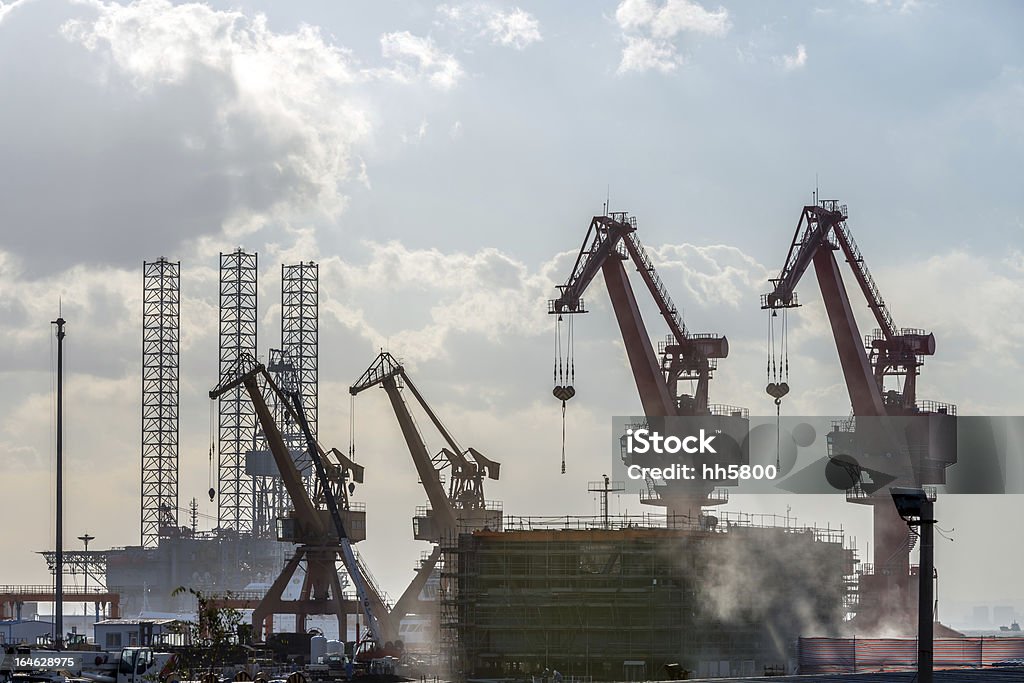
(19, 631)
(213, 563)
(113, 634)
(621, 600)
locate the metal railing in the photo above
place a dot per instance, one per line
(857, 262)
(726, 521)
(659, 286)
(937, 407)
(369, 578)
(724, 410)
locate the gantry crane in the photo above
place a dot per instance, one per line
(866, 363)
(322, 536)
(684, 356)
(462, 507)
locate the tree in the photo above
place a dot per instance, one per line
(215, 632)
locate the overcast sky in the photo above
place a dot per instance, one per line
(442, 163)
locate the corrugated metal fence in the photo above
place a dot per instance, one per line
(853, 655)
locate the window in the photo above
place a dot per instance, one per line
(113, 641)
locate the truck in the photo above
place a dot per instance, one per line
(134, 665)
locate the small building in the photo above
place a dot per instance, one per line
(113, 634)
(23, 631)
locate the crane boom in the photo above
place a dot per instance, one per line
(352, 565)
(248, 369)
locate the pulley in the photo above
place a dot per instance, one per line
(563, 394)
(777, 390)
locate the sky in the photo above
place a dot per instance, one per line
(441, 163)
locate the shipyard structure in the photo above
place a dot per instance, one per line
(683, 588)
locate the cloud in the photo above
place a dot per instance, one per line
(8, 7)
(419, 56)
(713, 274)
(418, 136)
(673, 17)
(188, 122)
(514, 28)
(485, 293)
(493, 295)
(901, 6)
(796, 60)
(644, 54)
(649, 29)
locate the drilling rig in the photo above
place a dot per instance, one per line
(463, 507)
(917, 432)
(683, 356)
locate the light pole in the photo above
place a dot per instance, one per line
(85, 538)
(58, 591)
(917, 509)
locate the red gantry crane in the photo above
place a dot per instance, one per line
(460, 508)
(889, 353)
(684, 356)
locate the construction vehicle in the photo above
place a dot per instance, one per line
(887, 420)
(322, 536)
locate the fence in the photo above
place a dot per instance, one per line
(857, 655)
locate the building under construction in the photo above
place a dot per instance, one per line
(619, 599)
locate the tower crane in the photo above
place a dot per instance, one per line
(463, 506)
(890, 352)
(322, 536)
(684, 356)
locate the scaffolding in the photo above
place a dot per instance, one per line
(300, 292)
(161, 297)
(237, 418)
(295, 363)
(618, 598)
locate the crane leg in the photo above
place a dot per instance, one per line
(272, 600)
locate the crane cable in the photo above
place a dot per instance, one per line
(212, 492)
(777, 370)
(564, 372)
(352, 428)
